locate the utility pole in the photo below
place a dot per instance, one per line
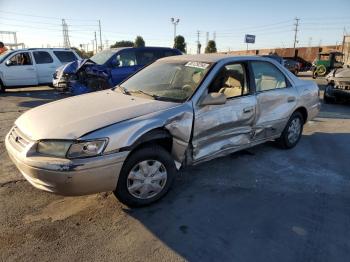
(310, 41)
(214, 36)
(296, 32)
(99, 27)
(93, 46)
(96, 42)
(207, 39)
(175, 22)
(66, 42)
(198, 43)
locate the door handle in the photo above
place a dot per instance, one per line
(30, 69)
(291, 99)
(248, 109)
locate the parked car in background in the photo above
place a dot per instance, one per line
(107, 68)
(338, 88)
(292, 65)
(326, 62)
(277, 58)
(32, 66)
(178, 111)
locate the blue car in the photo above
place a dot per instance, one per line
(106, 69)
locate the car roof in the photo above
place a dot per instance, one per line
(212, 58)
(140, 48)
(43, 48)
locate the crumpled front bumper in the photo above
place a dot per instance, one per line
(338, 93)
(65, 176)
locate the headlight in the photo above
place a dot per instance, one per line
(53, 147)
(87, 148)
(71, 149)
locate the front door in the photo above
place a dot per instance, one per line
(220, 129)
(19, 70)
(276, 99)
(126, 65)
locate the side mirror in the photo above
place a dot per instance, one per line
(214, 99)
(115, 63)
(8, 62)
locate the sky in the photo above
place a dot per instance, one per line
(38, 23)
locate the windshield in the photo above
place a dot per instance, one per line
(102, 57)
(5, 54)
(169, 81)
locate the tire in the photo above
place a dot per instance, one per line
(135, 184)
(2, 87)
(328, 100)
(321, 70)
(287, 140)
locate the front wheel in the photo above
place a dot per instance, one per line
(292, 132)
(146, 176)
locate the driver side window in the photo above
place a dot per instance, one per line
(231, 81)
(20, 59)
(126, 58)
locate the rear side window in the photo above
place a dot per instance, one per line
(42, 57)
(146, 57)
(169, 53)
(267, 76)
(65, 56)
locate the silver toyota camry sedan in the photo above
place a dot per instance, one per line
(178, 111)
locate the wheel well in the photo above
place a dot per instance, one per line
(159, 137)
(303, 112)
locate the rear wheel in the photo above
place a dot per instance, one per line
(2, 87)
(292, 132)
(146, 176)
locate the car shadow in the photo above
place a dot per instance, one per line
(36, 97)
(335, 110)
(262, 204)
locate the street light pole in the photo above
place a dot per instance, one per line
(175, 22)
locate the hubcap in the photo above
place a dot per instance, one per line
(147, 179)
(294, 130)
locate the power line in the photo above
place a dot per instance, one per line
(46, 17)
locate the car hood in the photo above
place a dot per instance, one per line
(74, 66)
(74, 117)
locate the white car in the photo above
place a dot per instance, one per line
(32, 66)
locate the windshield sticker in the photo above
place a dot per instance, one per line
(197, 65)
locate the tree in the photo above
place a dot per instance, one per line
(211, 47)
(82, 53)
(123, 43)
(139, 42)
(179, 43)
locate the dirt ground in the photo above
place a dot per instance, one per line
(264, 204)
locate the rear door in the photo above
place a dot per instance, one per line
(220, 129)
(126, 65)
(19, 70)
(276, 99)
(45, 66)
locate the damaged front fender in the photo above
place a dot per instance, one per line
(177, 121)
